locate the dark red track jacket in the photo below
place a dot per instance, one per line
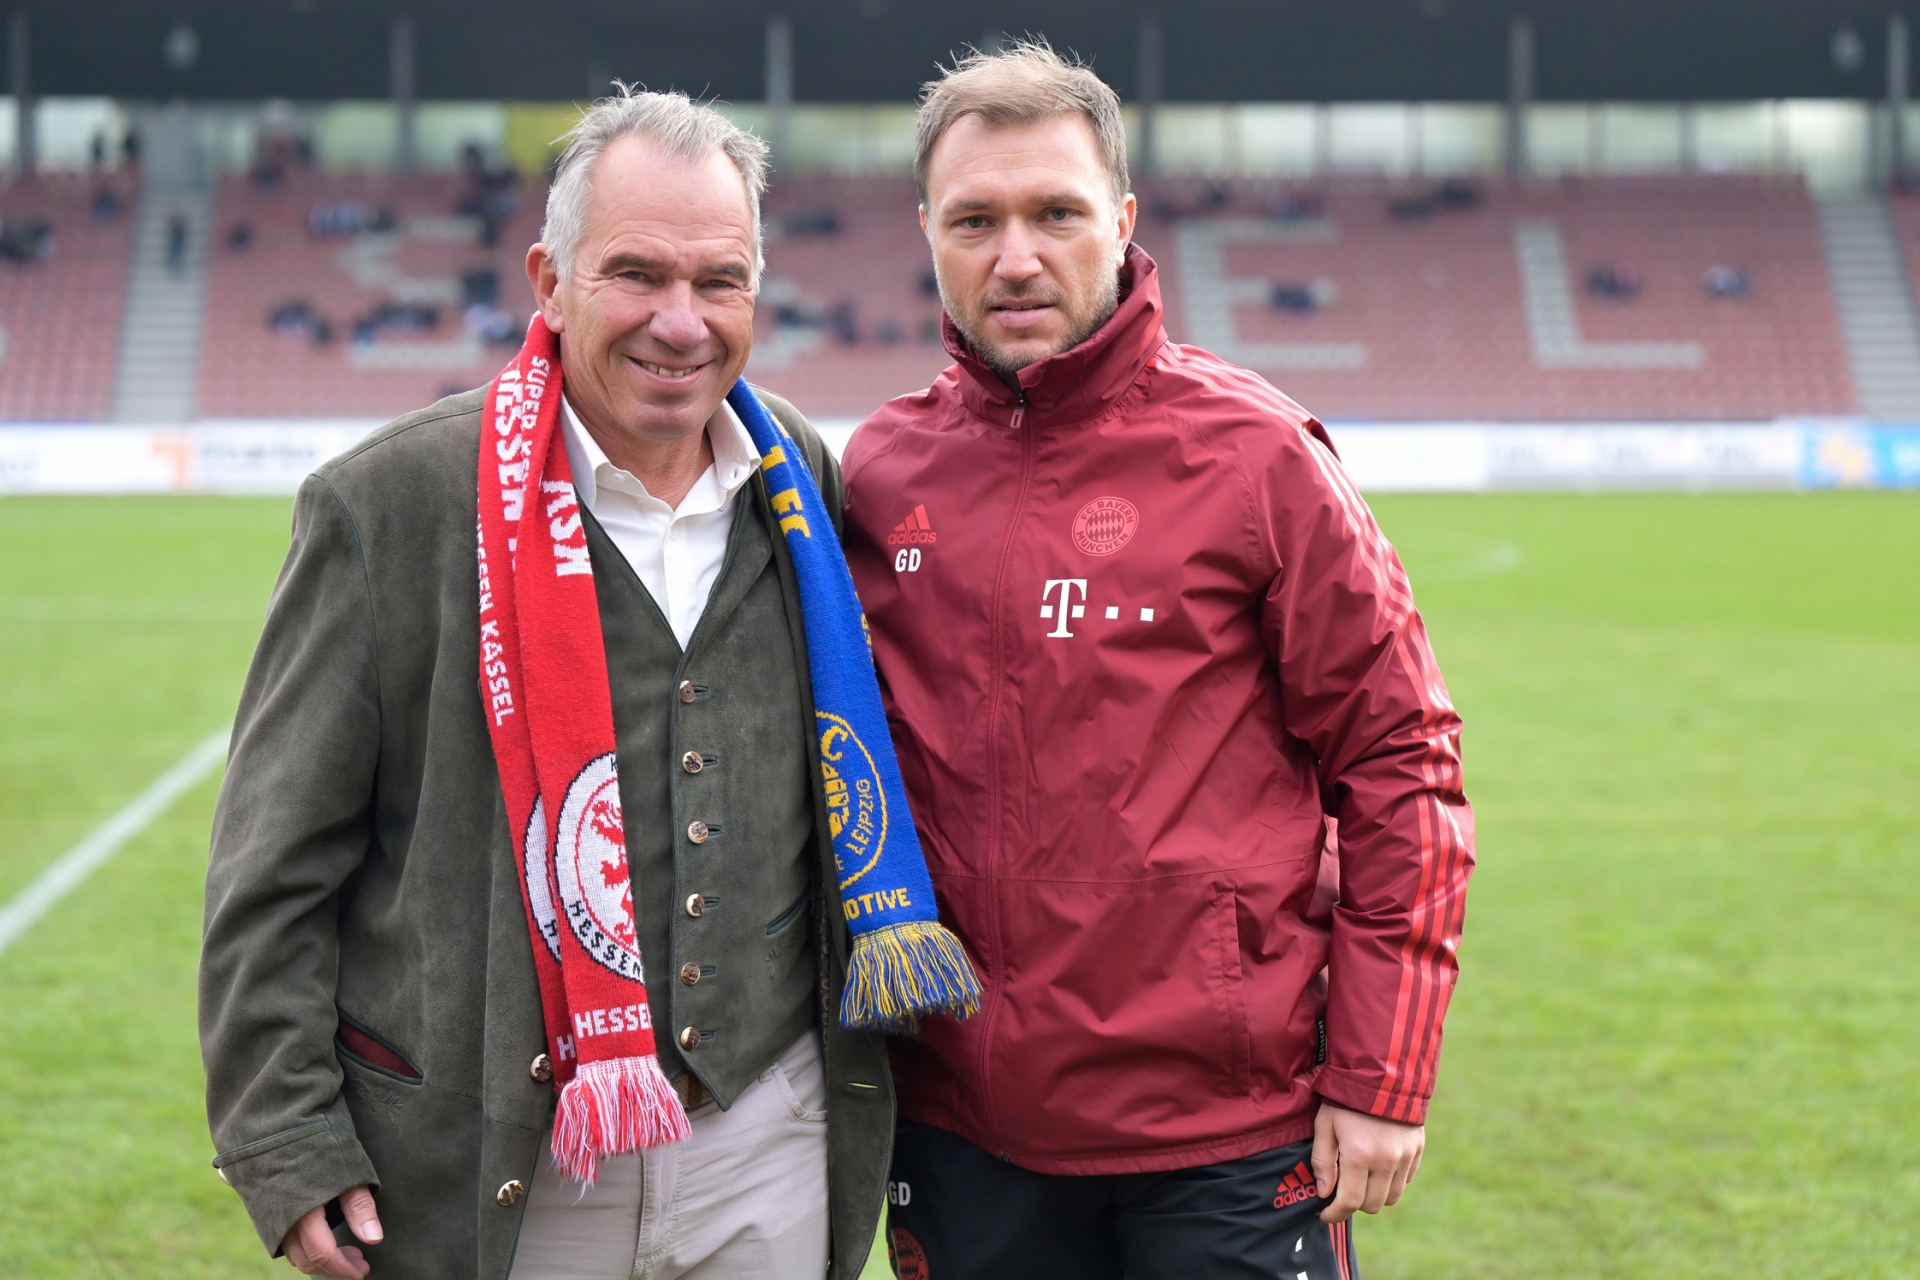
(1144, 651)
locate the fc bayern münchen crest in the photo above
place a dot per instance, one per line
(540, 878)
(590, 867)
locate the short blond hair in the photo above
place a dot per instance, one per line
(1023, 83)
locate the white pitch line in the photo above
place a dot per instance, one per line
(80, 861)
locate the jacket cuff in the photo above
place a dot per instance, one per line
(1357, 1092)
(283, 1176)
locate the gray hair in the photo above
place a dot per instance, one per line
(674, 122)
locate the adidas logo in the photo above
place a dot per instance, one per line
(1296, 1188)
(915, 530)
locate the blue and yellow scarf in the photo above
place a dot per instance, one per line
(905, 964)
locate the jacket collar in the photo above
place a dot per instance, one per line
(1080, 383)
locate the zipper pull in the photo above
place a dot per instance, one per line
(1020, 411)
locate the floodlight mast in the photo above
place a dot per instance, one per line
(780, 88)
(1519, 95)
(20, 64)
(1152, 89)
(1897, 89)
(400, 84)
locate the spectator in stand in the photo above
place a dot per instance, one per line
(106, 203)
(299, 319)
(844, 322)
(26, 241)
(1726, 282)
(1614, 283)
(240, 237)
(177, 243)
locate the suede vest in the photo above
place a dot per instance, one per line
(717, 736)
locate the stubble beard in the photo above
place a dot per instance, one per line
(1084, 324)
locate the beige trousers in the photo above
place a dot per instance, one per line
(745, 1198)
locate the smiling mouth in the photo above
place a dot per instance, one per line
(676, 375)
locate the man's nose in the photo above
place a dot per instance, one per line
(677, 321)
(1019, 252)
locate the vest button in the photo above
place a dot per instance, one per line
(697, 831)
(689, 973)
(696, 905)
(542, 1069)
(510, 1193)
(686, 691)
(690, 1038)
(692, 762)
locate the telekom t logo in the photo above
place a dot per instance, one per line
(1067, 609)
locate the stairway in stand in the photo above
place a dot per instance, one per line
(158, 376)
(1873, 292)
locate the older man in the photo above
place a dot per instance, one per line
(1149, 650)
(377, 1009)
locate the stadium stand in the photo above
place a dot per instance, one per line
(350, 295)
(1367, 299)
(1490, 301)
(65, 255)
(1676, 298)
(848, 316)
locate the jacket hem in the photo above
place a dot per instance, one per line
(1152, 1159)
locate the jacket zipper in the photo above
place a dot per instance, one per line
(997, 679)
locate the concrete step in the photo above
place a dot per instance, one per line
(158, 375)
(1873, 293)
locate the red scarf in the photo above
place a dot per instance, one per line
(543, 672)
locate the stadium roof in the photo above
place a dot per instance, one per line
(881, 50)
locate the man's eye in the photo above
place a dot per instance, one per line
(974, 223)
(1059, 215)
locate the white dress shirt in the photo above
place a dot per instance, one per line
(676, 551)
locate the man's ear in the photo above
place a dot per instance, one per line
(923, 220)
(544, 276)
(1129, 217)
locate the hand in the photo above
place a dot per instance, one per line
(1370, 1159)
(310, 1245)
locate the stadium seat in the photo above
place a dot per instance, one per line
(60, 313)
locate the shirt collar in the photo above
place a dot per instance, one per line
(734, 457)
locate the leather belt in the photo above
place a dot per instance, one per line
(692, 1093)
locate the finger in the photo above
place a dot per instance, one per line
(324, 1255)
(296, 1254)
(356, 1204)
(1349, 1196)
(1398, 1182)
(1419, 1153)
(1326, 1155)
(1377, 1186)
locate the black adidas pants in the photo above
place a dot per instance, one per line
(959, 1213)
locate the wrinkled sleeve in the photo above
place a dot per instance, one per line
(1360, 687)
(290, 830)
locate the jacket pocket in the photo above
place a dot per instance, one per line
(1230, 990)
(791, 914)
(356, 1041)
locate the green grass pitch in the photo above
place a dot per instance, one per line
(1688, 1031)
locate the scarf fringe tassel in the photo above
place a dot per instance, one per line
(901, 973)
(612, 1108)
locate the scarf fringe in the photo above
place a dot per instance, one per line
(899, 974)
(614, 1107)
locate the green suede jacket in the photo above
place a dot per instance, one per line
(362, 872)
